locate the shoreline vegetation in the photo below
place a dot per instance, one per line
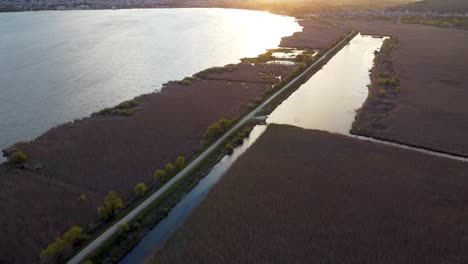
(55, 154)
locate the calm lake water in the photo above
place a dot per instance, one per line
(60, 66)
(327, 101)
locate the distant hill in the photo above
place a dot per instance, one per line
(441, 6)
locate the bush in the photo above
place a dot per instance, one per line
(140, 189)
(383, 81)
(229, 148)
(74, 235)
(186, 81)
(215, 130)
(169, 168)
(179, 163)
(382, 92)
(110, 206)
(82, 197)
(17, 157)
(125, 108)
(103, 213)
(136, 226)
(123, 229)
(53, 249)
(160, 176)
(70, 238)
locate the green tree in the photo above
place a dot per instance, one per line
(112, 203)
(180, 163)
(160, 176)
(17, 157)
(140, 189)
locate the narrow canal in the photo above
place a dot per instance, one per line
(328, 101)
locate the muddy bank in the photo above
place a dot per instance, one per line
(315, 35)
(303, 196)
(429, 107)
(110, 152)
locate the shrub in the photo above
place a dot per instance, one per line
(382, 91)
(213, 132)
(71, 237)
(160, 176)
(385, 74)
(17, 157)
(136, 226)
(123, 229)
(382, 81)
(103, 213)
(125, 108)
(169, 168)
(186, 81)
(53, 249)
(111, 204)
(216, 129)
(140, 189)
(166, 211)
(74, 235)
(229, 148)
(398, 89)
(179, 163)
(82, 197)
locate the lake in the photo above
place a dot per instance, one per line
(57, 66)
